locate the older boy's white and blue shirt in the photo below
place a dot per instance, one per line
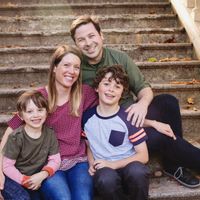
(111, 138)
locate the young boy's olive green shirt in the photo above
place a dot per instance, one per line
(111, 57)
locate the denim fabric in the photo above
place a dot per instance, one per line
(14, 191)
(75, 184)
(133, 180)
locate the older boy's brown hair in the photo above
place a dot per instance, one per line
(84, 19)
(34, 95)
(118, 74)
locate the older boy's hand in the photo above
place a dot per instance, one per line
(98, 164)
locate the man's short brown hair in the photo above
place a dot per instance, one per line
(84, 19)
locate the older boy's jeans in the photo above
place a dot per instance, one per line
(75, 184)
(132, 179)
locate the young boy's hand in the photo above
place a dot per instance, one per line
(1, 197)
(35, 180)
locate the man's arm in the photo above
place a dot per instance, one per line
(3, 142)
(141, 155)
(137, 111)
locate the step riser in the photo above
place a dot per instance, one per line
(49, 24)
(8, 100)
(110, 38)
(138, 54)
(152, 74)
(25, 2)
(182, 95)
(81, 10)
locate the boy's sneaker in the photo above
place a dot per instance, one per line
(184, 177)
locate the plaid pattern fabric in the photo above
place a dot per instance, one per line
(14, 191)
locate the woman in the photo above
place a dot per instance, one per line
(67, 101)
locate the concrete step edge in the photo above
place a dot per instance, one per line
(72, 17)
(77, 5)
(41, 68)
(189, 63)
(106, 31)
(163, 46)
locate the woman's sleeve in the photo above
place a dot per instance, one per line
(15, 122)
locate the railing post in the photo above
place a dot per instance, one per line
(196, 11)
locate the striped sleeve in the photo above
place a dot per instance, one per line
(138, 136)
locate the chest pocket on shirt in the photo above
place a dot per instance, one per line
(116, 138)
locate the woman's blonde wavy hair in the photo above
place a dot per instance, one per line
(75, 97)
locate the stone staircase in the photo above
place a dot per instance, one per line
(148, 30)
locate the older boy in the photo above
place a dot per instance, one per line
(118, 148)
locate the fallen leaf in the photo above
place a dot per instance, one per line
(152, 59)
(190, 100)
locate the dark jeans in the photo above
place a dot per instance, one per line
(133, 179)
(174, 153)
(14, 191)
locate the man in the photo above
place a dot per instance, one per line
(165, 137)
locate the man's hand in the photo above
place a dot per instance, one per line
(137, 113)
(35, 180)
(164, 129)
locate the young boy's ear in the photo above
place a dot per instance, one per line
(96, 90)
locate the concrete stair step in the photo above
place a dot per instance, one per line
(25, 2)
(9, 94)
(40, 55)
(82, 8)
(153, 71)
(170, 71)
(113, 36)
(60, 23)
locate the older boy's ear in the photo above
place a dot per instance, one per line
(96, 90)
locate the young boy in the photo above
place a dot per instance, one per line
(117, 150)
(31, 152)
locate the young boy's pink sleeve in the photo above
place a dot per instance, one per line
(11, 171)
(53, 164)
